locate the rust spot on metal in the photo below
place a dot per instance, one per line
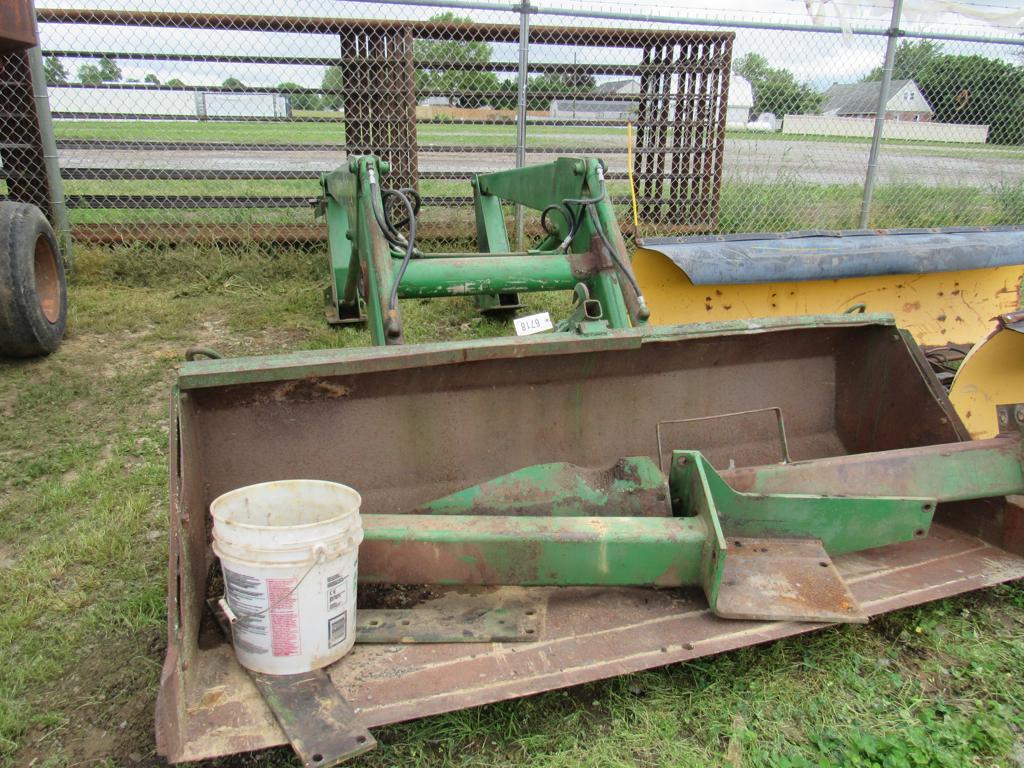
(312, 388)
(590, 262)
(213, 697)
(911, 306)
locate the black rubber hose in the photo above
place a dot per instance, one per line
(409, 192)
(592, 211)
(393, 236)
(570, 222)
(410, 246)
(588, 205)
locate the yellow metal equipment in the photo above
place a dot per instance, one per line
(991, 374)
(943, 286)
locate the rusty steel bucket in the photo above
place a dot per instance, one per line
(407, 425)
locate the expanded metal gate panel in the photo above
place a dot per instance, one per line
(684, 92)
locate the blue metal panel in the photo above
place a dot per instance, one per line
(822, 255)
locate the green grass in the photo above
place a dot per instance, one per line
(778, 205)
(458, 133)
(83, 498)
(324, 132)
(784, 203)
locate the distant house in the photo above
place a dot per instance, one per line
(595, 109)
(906, 102)
(741, 101)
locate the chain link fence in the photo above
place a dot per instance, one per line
(211, 120)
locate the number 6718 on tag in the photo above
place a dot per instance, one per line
(525, 326)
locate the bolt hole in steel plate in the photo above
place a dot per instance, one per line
(47, 277)
(480, 624)
(792, 580)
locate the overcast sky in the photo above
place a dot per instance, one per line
(818, 58)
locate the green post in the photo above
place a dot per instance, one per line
(492, 237)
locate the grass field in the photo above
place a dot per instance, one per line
(82, 575)
(744, 207)
(751, 201)
(452, 133)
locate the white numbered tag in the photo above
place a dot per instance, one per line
(533, 324)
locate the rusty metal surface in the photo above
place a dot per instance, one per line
(471, 624)
(17, 25)
(481, 622)
(687, 89)
(321, 725)
(784, 580)
(589, 634)
(434, 414)
(991, 466)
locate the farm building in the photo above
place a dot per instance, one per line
(599, 109)
(906, 102)
(133, 101)
(741, 99)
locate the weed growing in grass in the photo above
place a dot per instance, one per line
(916, 205)
(1010, 200)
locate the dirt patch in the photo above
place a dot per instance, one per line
(393, 595)
(116, 721)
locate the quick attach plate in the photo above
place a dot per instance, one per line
(784, 580)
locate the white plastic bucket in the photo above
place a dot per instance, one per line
(289, 551)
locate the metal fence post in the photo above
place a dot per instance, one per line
(893, 35)
(524, 60)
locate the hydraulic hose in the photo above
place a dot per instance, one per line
(391, 234)
(588, 206)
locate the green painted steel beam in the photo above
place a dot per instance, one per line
(958, 472)
(756, 556)
(842, 523)
(530, 551)
(465, 276)
(364, 264)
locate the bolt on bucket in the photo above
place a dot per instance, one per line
(289, 551)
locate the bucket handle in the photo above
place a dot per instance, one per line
(772, 409)
(319, 551)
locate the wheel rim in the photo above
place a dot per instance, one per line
(48, 287)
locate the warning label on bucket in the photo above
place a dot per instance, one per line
(248, 600)
(284, 617)
(337, 591)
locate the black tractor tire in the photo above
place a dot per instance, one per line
(33, 288)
